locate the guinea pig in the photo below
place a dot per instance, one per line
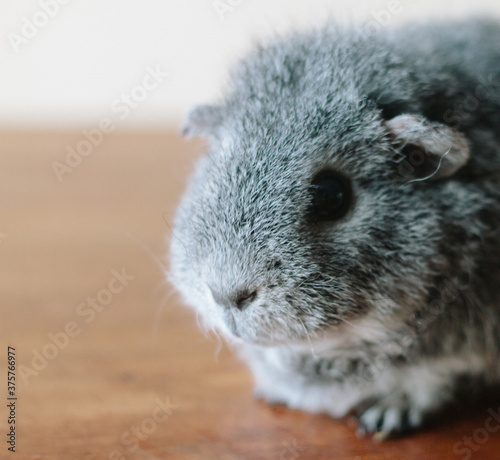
(342, 230)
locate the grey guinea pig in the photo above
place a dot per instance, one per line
(343, 228)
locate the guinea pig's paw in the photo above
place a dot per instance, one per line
(391, 415)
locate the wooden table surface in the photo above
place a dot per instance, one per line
(127, 374)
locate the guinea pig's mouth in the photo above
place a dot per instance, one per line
(236, 328)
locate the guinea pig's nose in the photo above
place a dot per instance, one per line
(240, 299)
(244, 299)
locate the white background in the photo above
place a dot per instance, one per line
(91, 51)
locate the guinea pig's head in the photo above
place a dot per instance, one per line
(310, 212)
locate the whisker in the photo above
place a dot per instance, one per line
(202, 325)
(306, 280)
(156, 259)
(340, 288)
(313, 352)
(435, 172)
(157, 317)
(218, 349)
(355, 326)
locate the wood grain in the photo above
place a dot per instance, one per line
(139, 380)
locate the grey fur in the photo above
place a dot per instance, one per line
(387, 309)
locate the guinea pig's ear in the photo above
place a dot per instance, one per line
(430, 150)
(203, 121)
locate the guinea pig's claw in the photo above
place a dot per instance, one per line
(383, 421)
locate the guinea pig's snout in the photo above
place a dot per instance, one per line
(239, 299)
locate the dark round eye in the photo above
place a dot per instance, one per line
(331, 196)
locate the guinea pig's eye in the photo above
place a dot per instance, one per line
(331, 196)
